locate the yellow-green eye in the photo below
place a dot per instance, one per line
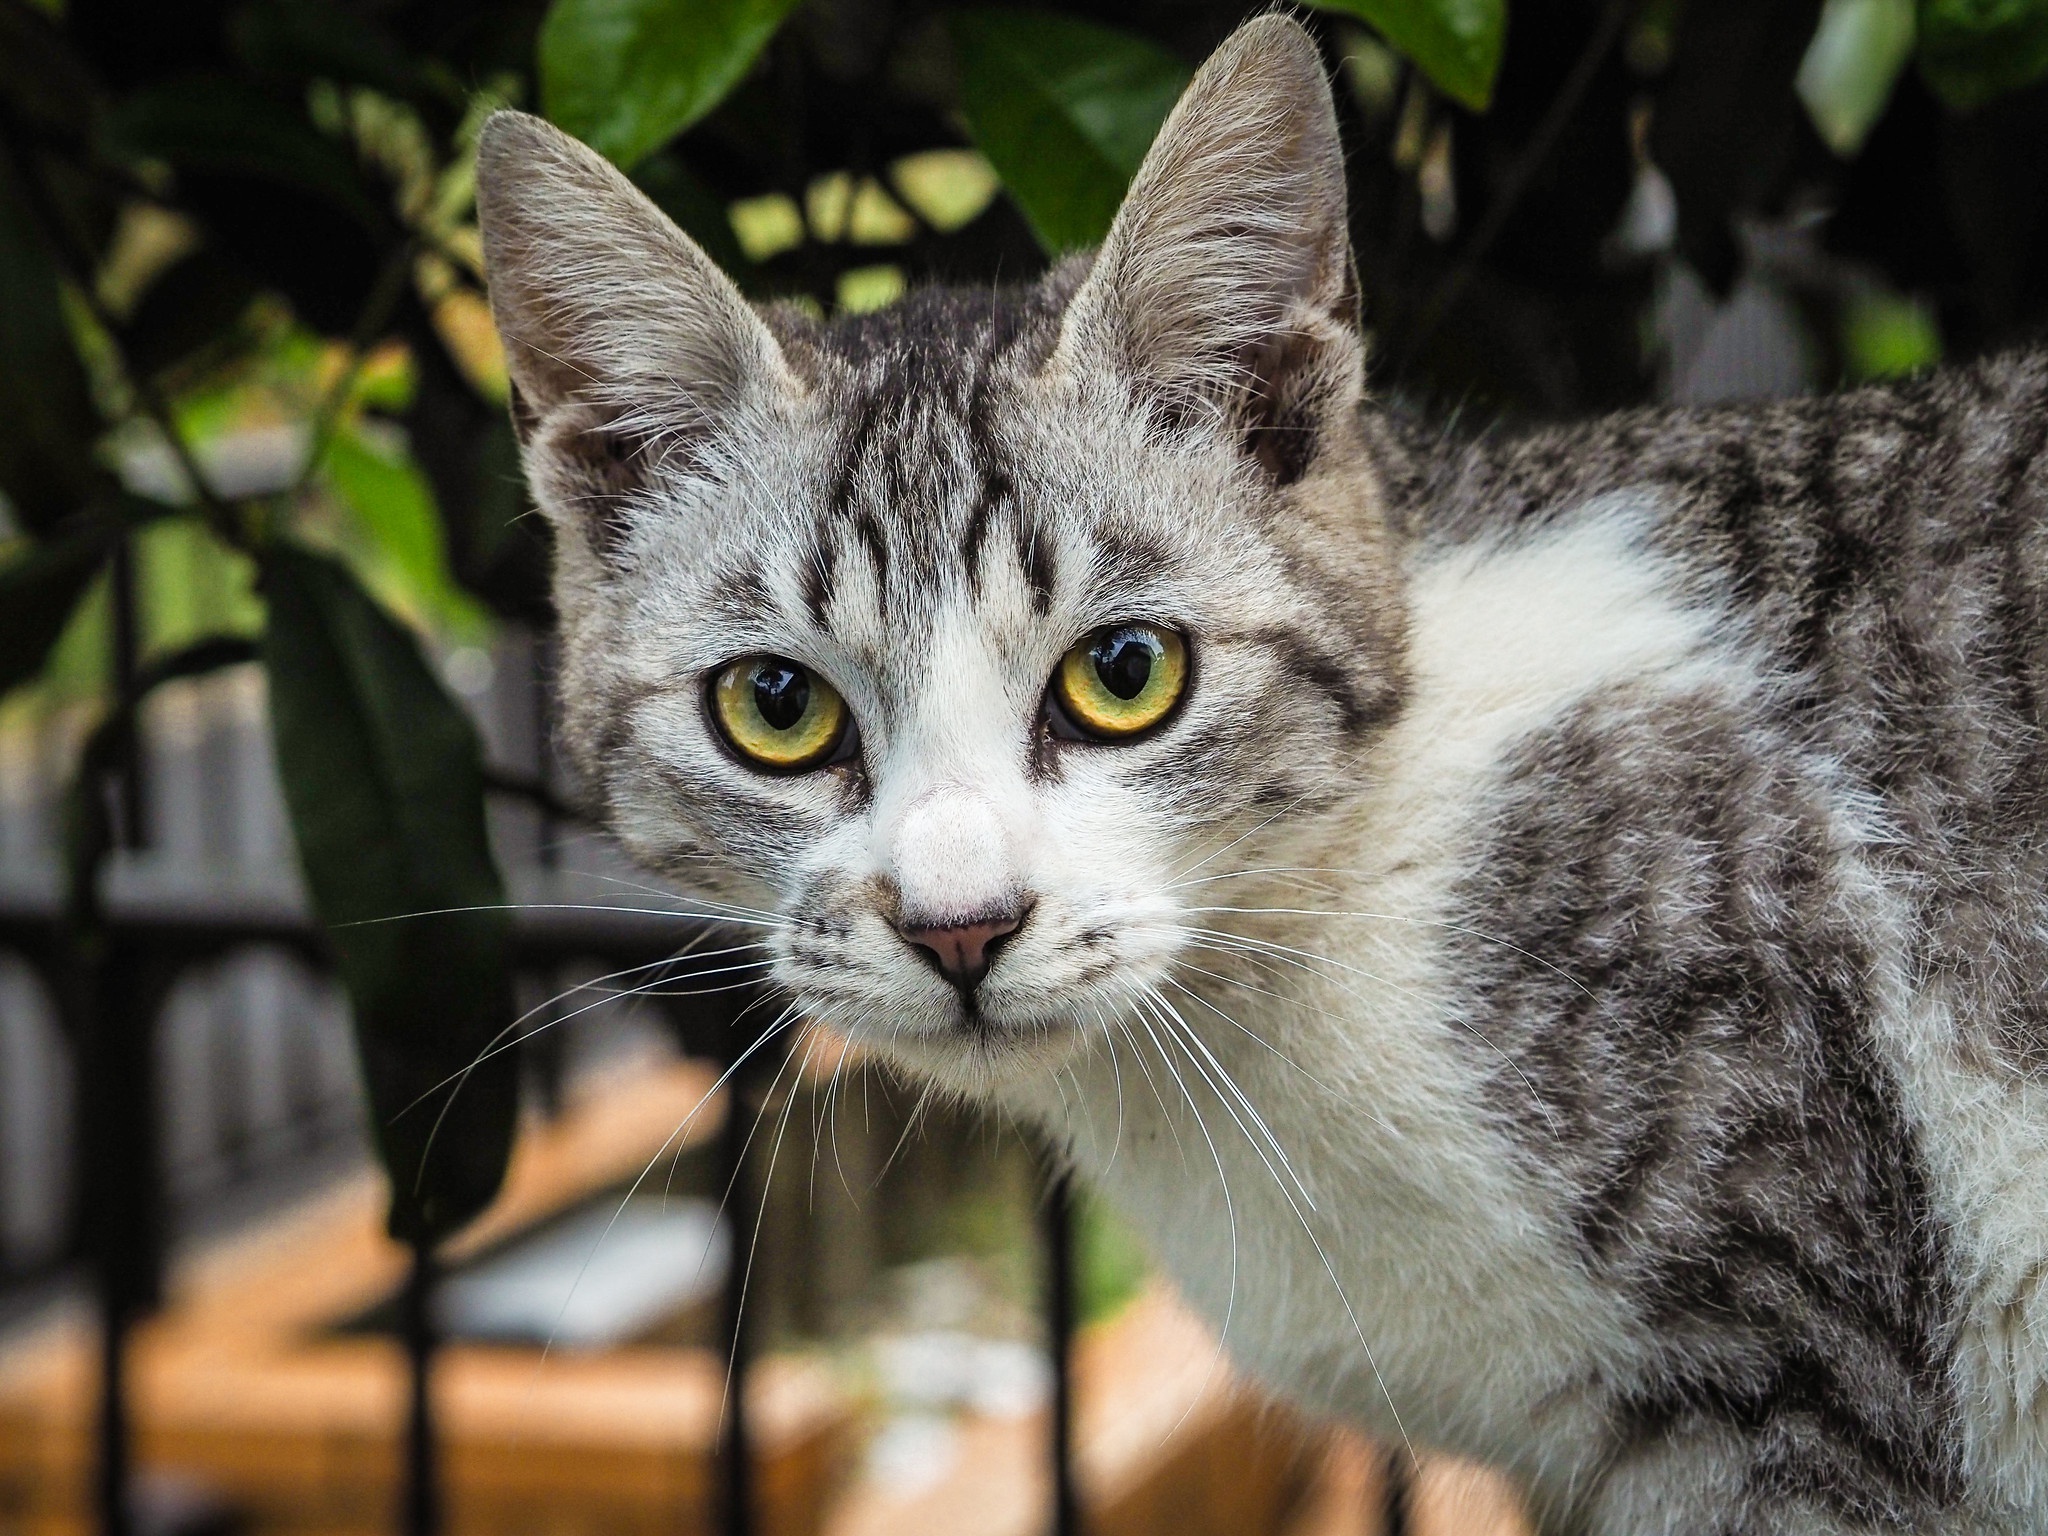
(778, 713)
(1122, 680)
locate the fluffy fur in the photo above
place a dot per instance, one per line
(1565, 985)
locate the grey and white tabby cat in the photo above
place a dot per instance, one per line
(1546, 934)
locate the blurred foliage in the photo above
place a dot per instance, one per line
(1109, 1260)
(243, 335)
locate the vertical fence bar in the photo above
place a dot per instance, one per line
(117, 1081)
(119, 988)
(1059, 1318)
(1397, 1490)
(735, 1448)
(111, 1463)
(421, 1511)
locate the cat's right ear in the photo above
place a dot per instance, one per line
(625, 344)
(1224, 291)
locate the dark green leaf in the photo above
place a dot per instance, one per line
(225, 126)
(1457, 43)
(1065, 111)
(626, 76)
(1972, 51)
(383, 777)
(47, 423)
(38, 592)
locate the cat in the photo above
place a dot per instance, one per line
(1543, 931)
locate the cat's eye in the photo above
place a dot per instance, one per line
(778, 714)
(1121, 680)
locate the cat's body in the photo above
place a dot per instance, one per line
(1562, 981)
(1701, 907)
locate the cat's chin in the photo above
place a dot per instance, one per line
(979, 1056)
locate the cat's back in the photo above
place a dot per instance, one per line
(1883, 553)
(1790, 908)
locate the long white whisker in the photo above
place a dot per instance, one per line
(1117, 1075)
(1331, 1270)
(761, 1210)
(1285, 810)
(1229, 1208)
(1420, 922)
(1219, 939)
(1152, 1083)
(567, 906)
(634, 1187)
(1225, 1087)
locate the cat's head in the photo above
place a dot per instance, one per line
(962, 637)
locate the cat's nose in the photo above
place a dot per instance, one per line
(962, 952)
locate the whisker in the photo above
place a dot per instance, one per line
(1328, 1268)
(498, 1044)
(1420, 922)
(634, 1188)
(565, 906)
(1230, 1210)
(1219, 1081)
(1117, 1075)
(1285, 810)
(761, 1212)
(1216, 938)
(1152, 1083)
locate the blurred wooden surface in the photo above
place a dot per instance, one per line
(242, 1383)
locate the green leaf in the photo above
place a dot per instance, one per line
(383, 777)
(1850, 67)
(1064, 110)
(39, 590)
(1457, 43)
(626, 76)
(397, 544)
(47, 422)
(1972, 51)
(1887, 335)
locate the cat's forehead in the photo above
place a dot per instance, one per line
(941, 473)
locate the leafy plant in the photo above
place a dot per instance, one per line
(245, 217)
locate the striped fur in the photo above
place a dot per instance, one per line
(1566, 984)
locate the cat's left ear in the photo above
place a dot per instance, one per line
(1225, 288)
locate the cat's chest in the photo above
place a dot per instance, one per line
(1355, 1235)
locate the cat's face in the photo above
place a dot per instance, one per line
(963, 641)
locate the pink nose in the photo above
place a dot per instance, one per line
(963, 952)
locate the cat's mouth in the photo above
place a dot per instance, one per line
(1003, 1026)
(1008, 993)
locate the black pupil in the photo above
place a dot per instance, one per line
(782, 693)
(1124, 662)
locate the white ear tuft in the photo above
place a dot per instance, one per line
(1225, 287)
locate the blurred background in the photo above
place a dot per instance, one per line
(312, 1221)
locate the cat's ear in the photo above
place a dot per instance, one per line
(1225, 287)
(625, 344)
